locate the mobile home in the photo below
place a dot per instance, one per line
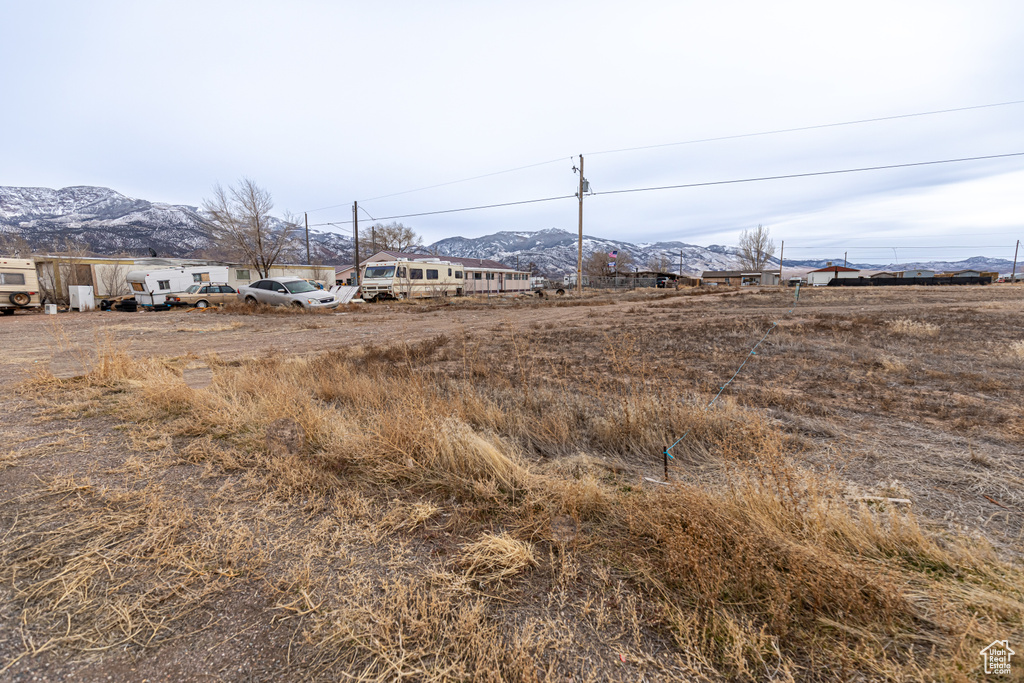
(151, 287)
(403, 279)
(19, 286)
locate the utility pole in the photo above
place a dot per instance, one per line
(844, 258)
(680, 263)
(308, 260)
(579, 246)
(782, 252)
(373, 238)
(1013, 275)
(355, 236)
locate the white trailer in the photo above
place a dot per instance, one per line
(151, 287)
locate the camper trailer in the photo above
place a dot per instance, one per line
(404, 279)
(19, 285)
(151, 287)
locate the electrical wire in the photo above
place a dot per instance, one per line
(685, 142)
(808, 175)
(803, 128)
(446, 184)
(466, 208)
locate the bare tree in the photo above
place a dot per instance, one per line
(241, 221)
(756, 248)
(659, 263)
(393, 237)
(14, 244)
(113, 277)
(596, 264)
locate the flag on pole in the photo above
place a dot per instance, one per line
(613, 254)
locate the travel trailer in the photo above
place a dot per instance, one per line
(403, 279)
(19, 285)
(151, 287)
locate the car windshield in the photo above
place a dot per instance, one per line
(380, 271)
(193, 289)
(299, 287)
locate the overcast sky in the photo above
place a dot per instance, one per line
(323, 103)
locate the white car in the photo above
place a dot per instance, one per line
(286, 291)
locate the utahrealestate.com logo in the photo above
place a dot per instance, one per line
(997, 657)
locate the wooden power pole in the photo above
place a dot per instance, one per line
(1013, 275)
(782, 252)
(579, 246)
(308, 260)
(355, 236)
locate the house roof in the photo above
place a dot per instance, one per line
(833, 269)
(464, 262)
(734, 273)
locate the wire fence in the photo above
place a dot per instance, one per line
(753, 352)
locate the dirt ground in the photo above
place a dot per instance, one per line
(913, 394)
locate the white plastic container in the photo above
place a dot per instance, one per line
(50, 309)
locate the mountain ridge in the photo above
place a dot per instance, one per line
(109, 222)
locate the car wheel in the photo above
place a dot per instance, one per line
(251, 301)
(297, 304)
(202, 304)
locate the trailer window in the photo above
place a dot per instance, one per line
(476, 276)
(200, 277)
(449, 272)
(163, 284)
(241, 274)
(458, 274)
(137, 286)
(415, 273)
(432, 274)
(12, 278)
(380, 271)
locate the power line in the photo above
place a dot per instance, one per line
(685, 142)
(803, 128)
(451, 182)
(808, 175)
(689, 185)
(466, 208)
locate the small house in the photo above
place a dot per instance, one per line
(740, 278)
(822, 276)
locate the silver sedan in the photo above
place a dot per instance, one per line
(286, 291)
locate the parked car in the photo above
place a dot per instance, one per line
(286, 291)
(202, 296)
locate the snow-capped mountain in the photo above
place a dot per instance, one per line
(105, 220)
(554, 251)
(108, 222)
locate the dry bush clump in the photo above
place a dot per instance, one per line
(497, 556)
(242, 308)
(1017, 349)
(913, 328)
(440, 522)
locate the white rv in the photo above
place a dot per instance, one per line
(151, 287)
(403, 279)
(19, 285)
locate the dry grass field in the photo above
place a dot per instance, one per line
(463, 490)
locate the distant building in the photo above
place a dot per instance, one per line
(822, 276)
(916, 273)
(740, 278)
